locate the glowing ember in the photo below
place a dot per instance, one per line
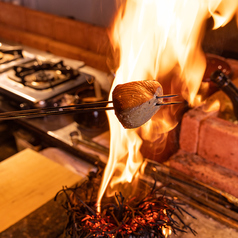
(148, 214)
(158, 40)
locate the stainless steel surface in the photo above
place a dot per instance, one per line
(34, 95)
(54, 130)
(27, 57)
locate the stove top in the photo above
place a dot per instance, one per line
(43, 75)
(38, 81)
(13, 55)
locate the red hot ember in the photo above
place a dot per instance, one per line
(145, 214)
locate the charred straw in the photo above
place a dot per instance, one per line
(132, 217)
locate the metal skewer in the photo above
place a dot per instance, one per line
(167, 96)
(41, 112)
(77, 108)
(167, 103)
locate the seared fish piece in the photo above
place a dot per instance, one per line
(136, 102)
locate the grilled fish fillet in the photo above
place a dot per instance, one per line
(135, 102)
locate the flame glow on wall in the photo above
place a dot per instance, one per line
(159, 40)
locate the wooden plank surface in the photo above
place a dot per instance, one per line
(27, 181)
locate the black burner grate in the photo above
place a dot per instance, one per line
(43, 75)
(10, 54)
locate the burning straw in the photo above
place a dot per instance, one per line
(147, 214)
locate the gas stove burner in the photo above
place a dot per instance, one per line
(13, 55)
(39, 84)
(5, 58)
(8, 54)
(43, 75)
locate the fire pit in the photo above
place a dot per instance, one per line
(157, 41)
(147, 213)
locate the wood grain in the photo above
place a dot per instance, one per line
(29, 180)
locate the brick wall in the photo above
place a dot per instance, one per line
(209, 145)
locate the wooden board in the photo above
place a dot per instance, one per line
(27, 181)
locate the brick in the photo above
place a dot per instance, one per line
(189, 134)
(218, 142)
(205, 171)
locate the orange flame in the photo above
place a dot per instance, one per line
(212, 106)
(160, 40)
